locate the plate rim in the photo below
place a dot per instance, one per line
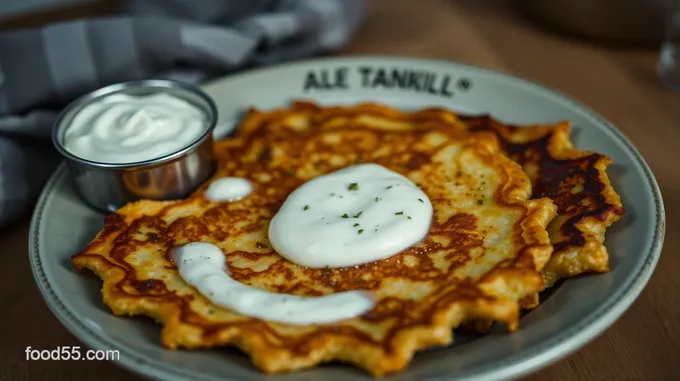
(543, 354)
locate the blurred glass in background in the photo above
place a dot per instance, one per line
(669, 65)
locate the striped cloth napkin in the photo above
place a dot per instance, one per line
(41, 70)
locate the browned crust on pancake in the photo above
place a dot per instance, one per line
(578, 184)
(189, 321)
(575, 180)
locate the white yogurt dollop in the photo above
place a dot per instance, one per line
(353, 216)
(228, 189)
(203, 266)
(121, 128)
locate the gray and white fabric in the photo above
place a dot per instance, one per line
(41, 70)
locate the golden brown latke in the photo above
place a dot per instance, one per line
(575, 180)
(484, 252)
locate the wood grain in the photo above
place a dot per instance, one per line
(620, 83)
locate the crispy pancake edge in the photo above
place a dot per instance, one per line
(578, 235)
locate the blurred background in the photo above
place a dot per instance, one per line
(632, 20)
(616, 56)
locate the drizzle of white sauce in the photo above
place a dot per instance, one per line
(203, 265)
(122, 128)
(228, 189)
(353, 216)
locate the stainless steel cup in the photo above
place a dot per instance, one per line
(108, 186)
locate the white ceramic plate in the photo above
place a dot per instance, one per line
(574, 313)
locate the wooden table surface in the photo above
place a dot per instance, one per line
(621, 84)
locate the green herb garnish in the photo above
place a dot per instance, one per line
(361, 231)
(358, 215)
(480, 202)
(355, 225)
(399, 213)
(353, 187)
(421, 200)
(306, 207)
(390, 187)
(345, 216)
(377, 199)
(409, 217)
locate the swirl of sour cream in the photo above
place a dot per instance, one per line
(121, 128)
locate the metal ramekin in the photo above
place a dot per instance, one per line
(108, 186)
